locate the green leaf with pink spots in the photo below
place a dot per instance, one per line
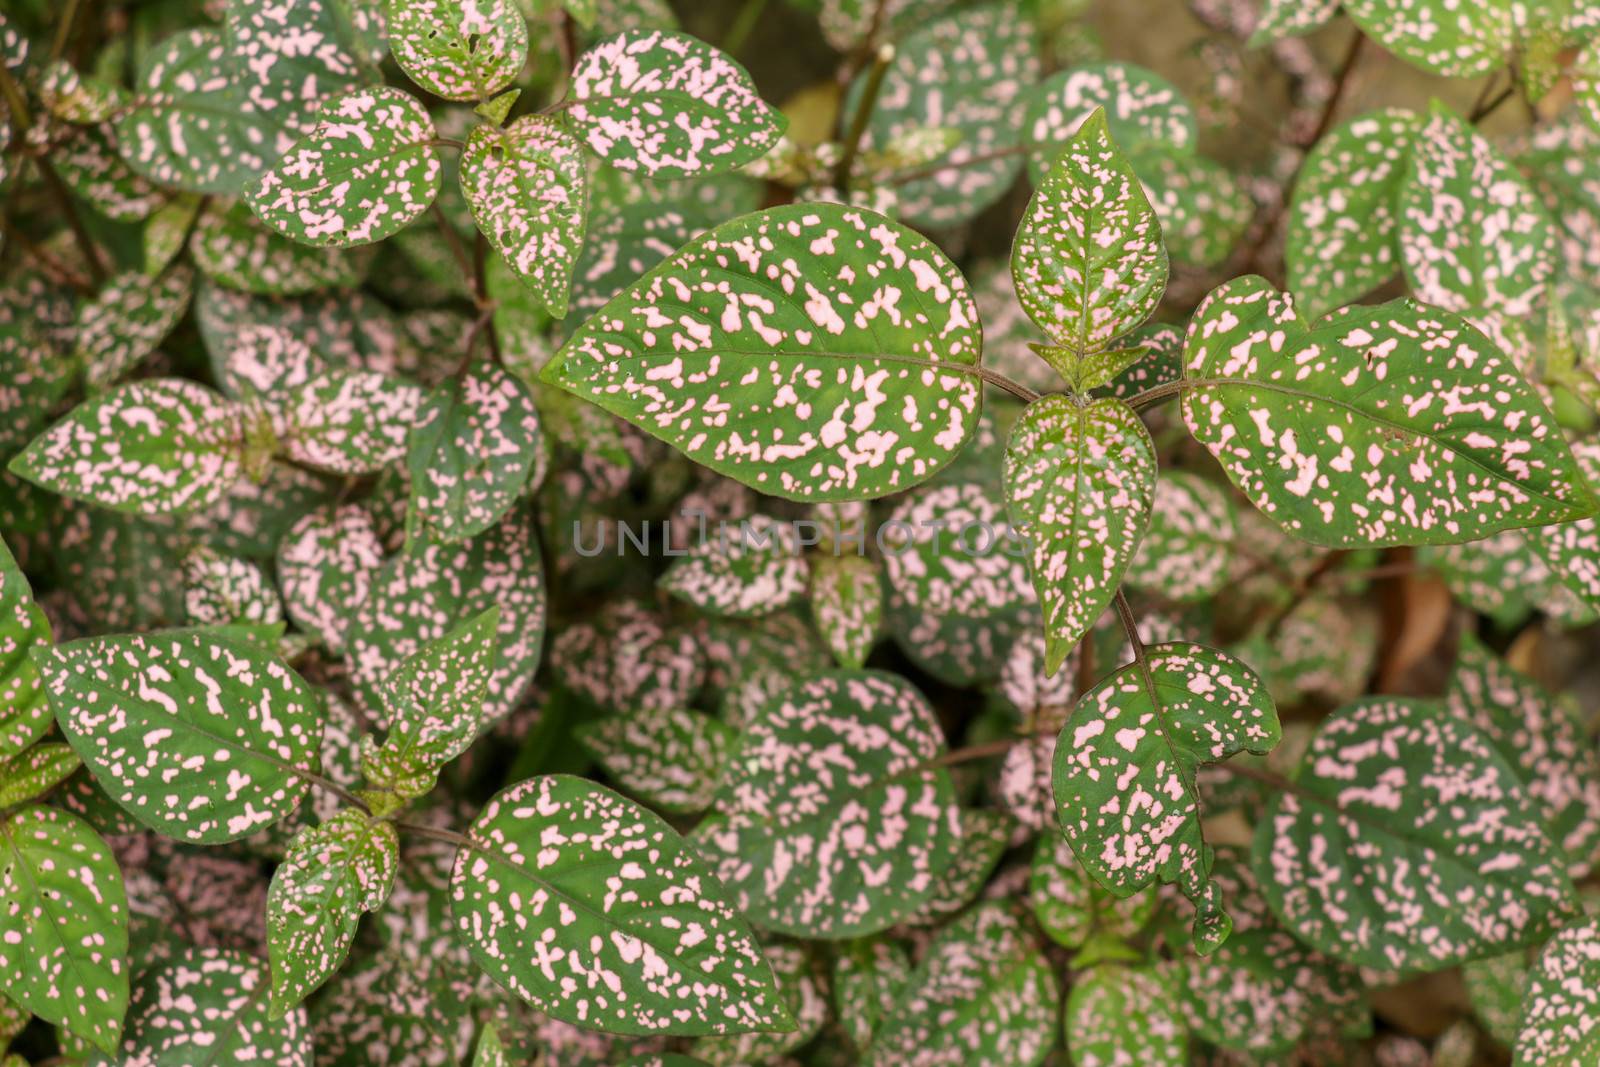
(63, 924)
(152, 447)
(24, 712)
(809, 853)
(1088, 261)
(1141, 107)
(1561, 1010)
(366, 170)
(847, 605)
(753, 567)
(1441, 36)
(459, 49)
(1385, 425)
(332, 873)
(127, 319)
(527, 187)
(203, 737)
(667, 105)
(31, 774)
(597, 913)
(1408, 843)
(346, 421)
(1117, 1015)
(1126, 765)
(1079, 482)
(848, 378)
(1187, 552)
(671, 758)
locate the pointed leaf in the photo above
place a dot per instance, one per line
(459, 49)
(850, 851)
(1088, 260)
(1408, 844)
(847, 605)
(1473, 234)
(365, 171)
(31, 774)
(596, 912)
(332, 873)
(670, 758)
(849, 381)
(1079, 483)
(63, 923)
(199, 736)
(221, 590)
(152, 447)
(24, 712)
(1125, 766)
(803, 1000)
(668, 106)
(1344, 219)
(527, 189)
(1394, 424)
(127, 320)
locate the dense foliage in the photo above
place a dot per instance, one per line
(518, 548)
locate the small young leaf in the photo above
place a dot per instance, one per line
(31, 774)
(564, 878)
(365, 171)
(668, 106)
(1125, 766)
(151, 447)
(198, 735)
(459, 49)
(1561, 1014)
(527, 189)
(1079, 482)
(24, 712)
(671, 758)
(347, 421)
(848, 380)
(983, 993)
(1473, 235)
(847, 605)
(332, 873)
(811, 855)
(210, 1006)
(1088, 260)
(755, 570)
(1383, 857)
(489, 1051)
(1425, 434)
(435, 705)
(1118, 1015)
(1344, 218)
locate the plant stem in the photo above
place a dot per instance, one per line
(863, 115)
(457, 251)
(957, 164)
(12, 94)
(449, 837)
(975, 752)
(333, 787)
(58, 47)
(1269, 778)
(1483, 111)
(1016, 389)
(1156, 394)
(746, 20)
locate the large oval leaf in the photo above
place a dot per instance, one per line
(459, 49)
(365, 171)
(596, 912)
(849, 378)
(63, 923)
(1407, 843)
(1079, 482)
(1394, 424)
(1125, 766)
(668, 106)
(829, 822)
(199, 736)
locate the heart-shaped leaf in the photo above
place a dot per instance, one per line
(1394, 424)
(200, 736)
(668, 106)
(1079, 482)
(1344, 219)
(527, 188)
(1408, 843)
(1473, 234)
(1125, 766)
(852, 379)
(803, 852)
(983, 993)
(366, 170)
(1088, 260)
(63, 924)
(459, 49)
(153, 447)
(332, 873)
(596, 912)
